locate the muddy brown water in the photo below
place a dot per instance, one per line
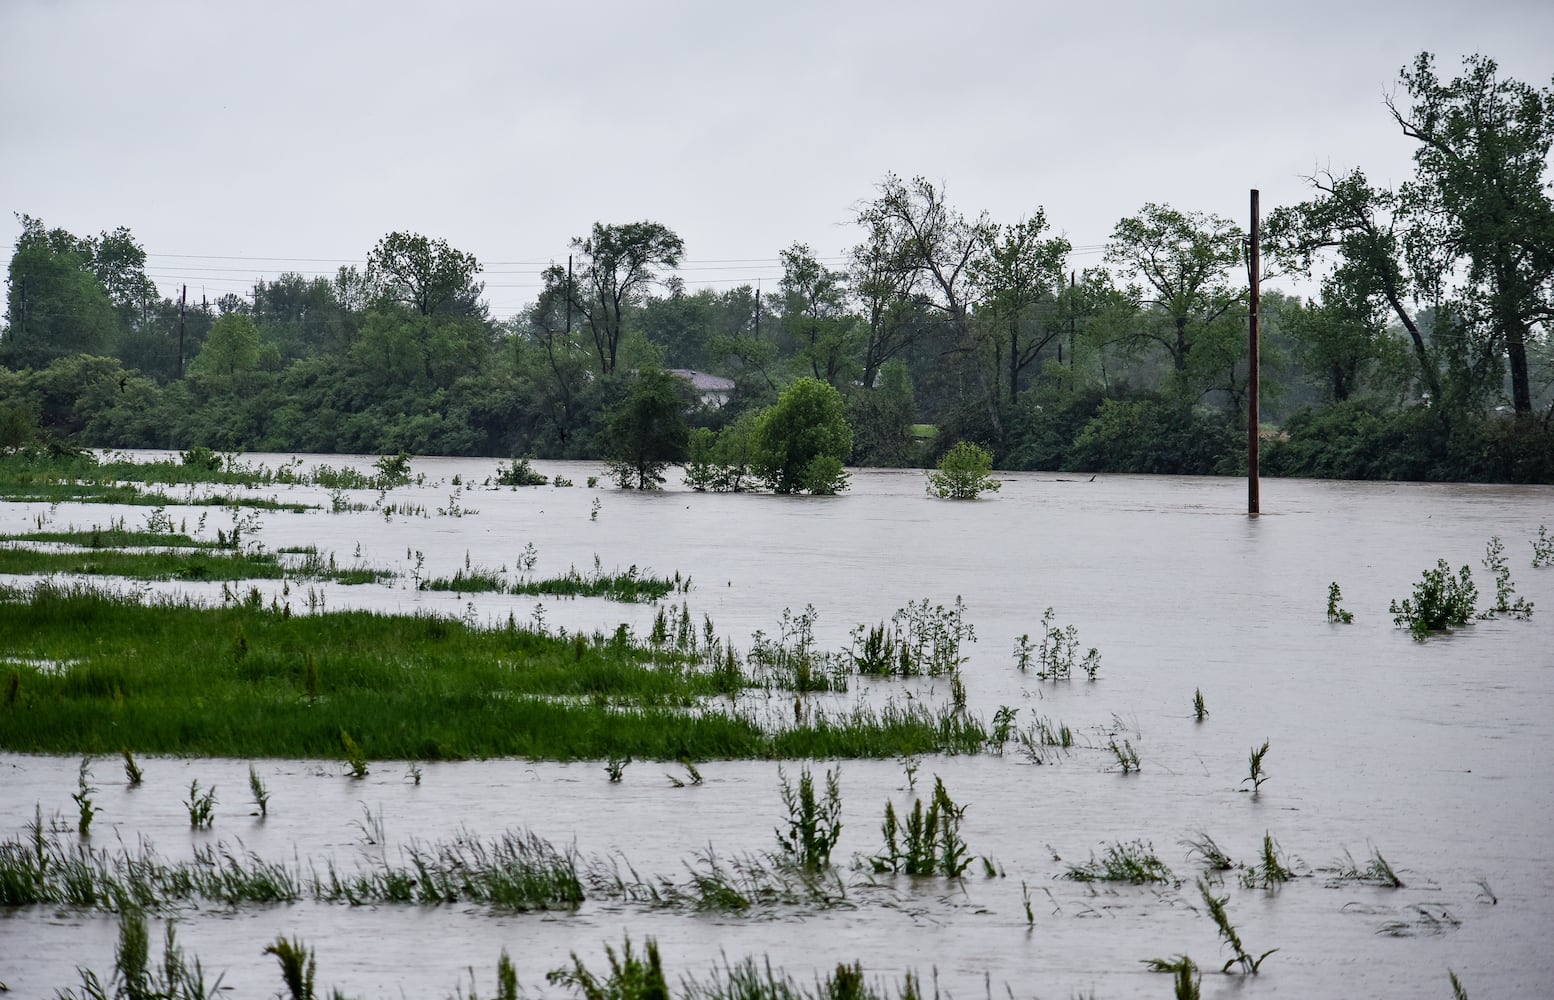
(1437, 754)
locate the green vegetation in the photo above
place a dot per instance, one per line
(1134, 862)
(629, 586)
(1200, 711)
(1227, 932)
(1335, 611)
(134, 978)
(1505, 590)
(1441, 602)
(249, 681)
(1184, 970)
(519, 473)
(1255, 773)
(83, 797)
(963, 473)
(1057, 654)
(1542, 548)
(174, 565)
(929, 842)
(1402, 366)
(814, 824)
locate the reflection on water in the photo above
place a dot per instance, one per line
(1437, 753)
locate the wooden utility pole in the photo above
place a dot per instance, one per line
(1253, 371)
(569, 297)
(183, 301)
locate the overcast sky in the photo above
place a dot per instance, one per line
(241, 139)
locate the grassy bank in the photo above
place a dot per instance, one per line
(89, 672)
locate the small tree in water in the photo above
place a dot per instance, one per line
(963, 473)
(646, 432)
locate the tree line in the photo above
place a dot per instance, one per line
(1424, 352)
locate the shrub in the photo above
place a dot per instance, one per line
(1441, 602)
(520, 473)
(963, 473)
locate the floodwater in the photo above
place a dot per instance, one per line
(1437, 754)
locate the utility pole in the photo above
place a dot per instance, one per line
(1073, 312)
(758, 308)
(1253, 370)
(569, 297)
(183, 301)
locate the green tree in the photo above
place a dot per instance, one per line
(815, 315)
(426, 276)
(802, 441)
(56, 305)
(618, 263)
(646, 432)
(1482, 175)
(1179, 266)
(231, 348)
(1021, 278)
(882, 419)
(963, 473)
(930, 252)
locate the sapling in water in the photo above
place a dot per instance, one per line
(1227, 932)
(1542, 548)
(132, 772)
(1335, 611)
(1200, 711)
(83, 796)
(1441, 602)
(1495, 563)
(814, 824)
(201, 806)
(260, 793)
(1255, 773)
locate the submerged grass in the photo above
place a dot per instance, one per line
(199, 564)
(168, 676)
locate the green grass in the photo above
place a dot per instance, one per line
(169, 676)
(199, 564)
(113, 538)
(1134, 862)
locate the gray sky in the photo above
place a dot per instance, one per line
(303, 131)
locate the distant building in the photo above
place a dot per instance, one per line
(712, 390)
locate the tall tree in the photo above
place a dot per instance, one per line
(1179, 265)
(646, 431)
(1022, 272)
(1482, 171)
(56, 304)
(618, 263)
(815, 314)
(1369, 231)
(426, 276)
(934, 249)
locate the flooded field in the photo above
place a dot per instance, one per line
(1435, 754)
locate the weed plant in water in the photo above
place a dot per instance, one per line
(298, 965)
(1335, 610)
(1134, 862)
(83, 797)
(132, 773)
(1506, 603)
(1200, 711)
(1255, 773)
(814, 824)
(1058, 652)
(1441, 602)
(135, 978)
(1378, 871)
(201, 806)
(355, 756)
(1542, 548)
(1227, 932)
(929, 842)
(260, 793)
(1127, 757)
(1184, 972)
(1270, 870)
(1208, 851)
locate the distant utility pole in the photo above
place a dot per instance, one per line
(758, 308)
(569, 297)
(1253, 369)
(183, 301)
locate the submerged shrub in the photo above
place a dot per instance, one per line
(1441, 602)
(963, 473)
